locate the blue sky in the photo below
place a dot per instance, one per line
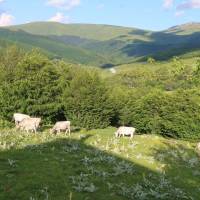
(146, 14)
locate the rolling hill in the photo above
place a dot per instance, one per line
(106, 45)
(53, 48)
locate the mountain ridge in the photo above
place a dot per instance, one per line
(107, 45)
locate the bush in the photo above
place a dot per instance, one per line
(34, 89)
(5, 124)
(174, 114)
(87, 102)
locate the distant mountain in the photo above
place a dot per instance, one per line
(185, 29)
(87, 31)
(105, 45)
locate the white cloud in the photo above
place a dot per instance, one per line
(6, 19)
(1, 1)
(179, 13)
(64, 4)
(167, 4)
(60, 17)
(189, 4)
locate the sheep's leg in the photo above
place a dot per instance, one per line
(69, 131)
(117, 134)
(17, 125)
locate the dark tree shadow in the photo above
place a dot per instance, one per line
(70, 169)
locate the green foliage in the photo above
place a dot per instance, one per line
(34, 89)
(154, 99)
(151, 60)
(5, 124)
(196, 78)
(86, 101)
(169, 114)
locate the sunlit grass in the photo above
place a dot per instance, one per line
(96, 165)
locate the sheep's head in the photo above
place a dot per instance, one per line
(38, 121)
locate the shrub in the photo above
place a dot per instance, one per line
(34, 89)
(87, 102)
(174, 114)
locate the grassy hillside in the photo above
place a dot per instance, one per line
(114, 45)
(87, 31)
(52, 47)
(104, 40)
(187, 60)
(185, 29)
(95, 165)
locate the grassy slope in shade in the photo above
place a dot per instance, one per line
(95, 165)
(52, 47)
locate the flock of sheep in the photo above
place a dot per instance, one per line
(27, 123)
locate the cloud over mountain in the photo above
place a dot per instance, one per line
(6, 19)
(60, 17)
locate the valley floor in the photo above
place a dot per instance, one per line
(94, 164)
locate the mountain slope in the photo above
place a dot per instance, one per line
(87, 31)
(185, 29)
(114, 45)
(50, 46)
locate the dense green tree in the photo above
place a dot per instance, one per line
(86, 101)
(174, 114)
(9, 58)
(35, 89)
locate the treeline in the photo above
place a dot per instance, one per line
(159, 100)
(53, 90)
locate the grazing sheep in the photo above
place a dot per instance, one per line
(61, 126)
(18, 117)
(125, 131)
(29, 124)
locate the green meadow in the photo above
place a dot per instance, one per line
(95, 165)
